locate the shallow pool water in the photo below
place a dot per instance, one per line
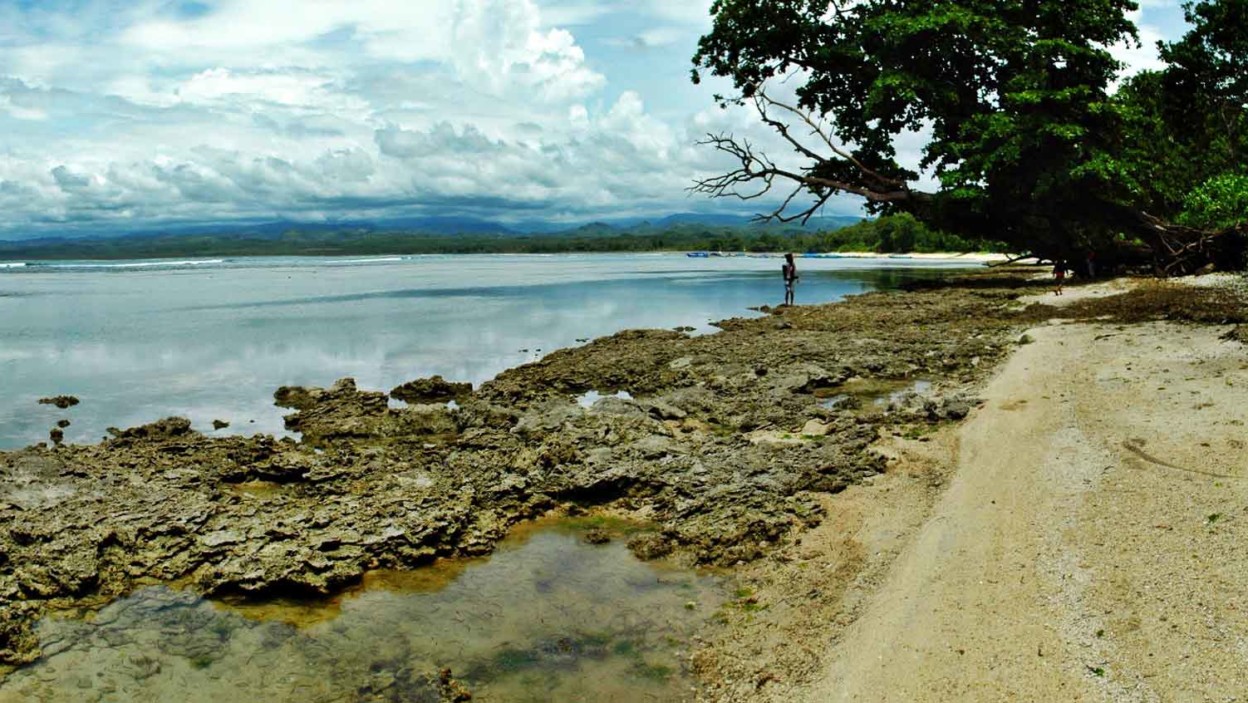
(547, 617)
(874, 394)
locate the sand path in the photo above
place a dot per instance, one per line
(1093, 543)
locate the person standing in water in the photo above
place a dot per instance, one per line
(789, 269)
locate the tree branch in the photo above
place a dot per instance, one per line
(757, 174)
(762, 100)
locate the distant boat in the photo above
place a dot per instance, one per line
(699, 254)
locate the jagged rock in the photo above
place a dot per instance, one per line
(340, 411)
(933, 408)
(168, 428)
(666, 411)
(18, 642)
(815, 428)
(219, 424)
(61, 401)
(649, 546)
(806, 378)
(955, 408)
(597, 536)
(434, 389)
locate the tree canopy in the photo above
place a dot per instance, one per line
(1028, 138)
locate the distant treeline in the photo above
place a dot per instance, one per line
(894, 234)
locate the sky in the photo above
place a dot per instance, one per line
(130, 114)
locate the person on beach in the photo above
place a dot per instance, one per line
(789, 270)
(1059, 275)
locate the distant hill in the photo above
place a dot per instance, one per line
(421, 235)
(690, 218)
(816, 223)
(443, 224)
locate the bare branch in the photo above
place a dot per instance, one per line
(756, 174)
(756, 166)
(817, 129)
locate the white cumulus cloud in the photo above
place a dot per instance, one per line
(126, 113)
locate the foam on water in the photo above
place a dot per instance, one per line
(372, 260)
(123, 265)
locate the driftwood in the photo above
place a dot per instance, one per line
(1180, 250)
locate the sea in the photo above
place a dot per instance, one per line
(211, 339)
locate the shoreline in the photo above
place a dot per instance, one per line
(374, 487)
(16, 265)
(734, 445)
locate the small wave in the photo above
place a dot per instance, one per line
(13, 265)
(378, 260)
(139, 264)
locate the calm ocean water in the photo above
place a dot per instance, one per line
(212, 339)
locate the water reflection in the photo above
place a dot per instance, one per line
(212, 341)
(548, 617)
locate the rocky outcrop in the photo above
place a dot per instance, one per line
(342, 413)
(431, 390)
(61, 401)
(370, 486)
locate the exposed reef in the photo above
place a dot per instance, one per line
(724, 445)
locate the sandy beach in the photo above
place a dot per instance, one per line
(1079, 537)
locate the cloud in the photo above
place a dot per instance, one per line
(1143, 56)
(70, 182)
(119, 114)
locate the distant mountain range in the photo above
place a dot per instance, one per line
(456, 235)
(444, 225)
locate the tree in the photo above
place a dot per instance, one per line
(1026, 142)
(1207, 79)
(1220, 202)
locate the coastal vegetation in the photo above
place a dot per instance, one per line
(1028, 132)
(899, 233)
